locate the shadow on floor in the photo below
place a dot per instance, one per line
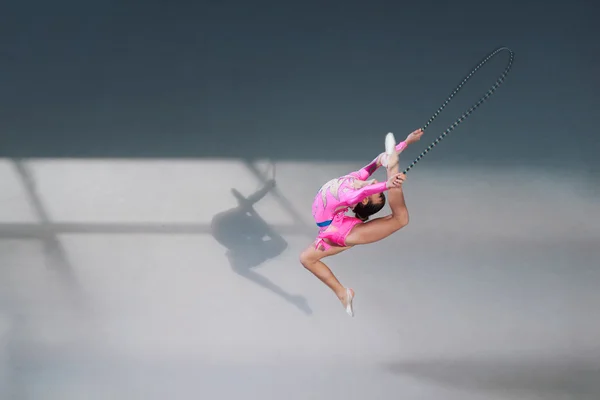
(250, 241)
(546, 378)
(55, 256)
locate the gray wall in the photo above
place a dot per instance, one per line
(131, 133)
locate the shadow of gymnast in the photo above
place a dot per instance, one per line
(250, 241)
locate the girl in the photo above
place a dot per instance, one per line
(338, 231)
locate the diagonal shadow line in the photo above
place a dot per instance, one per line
(285, 203)
(55, 256)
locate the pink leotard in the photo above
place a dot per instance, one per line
(338, 195)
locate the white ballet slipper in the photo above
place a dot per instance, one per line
(349, 298)
(390, 144)
(390, 151)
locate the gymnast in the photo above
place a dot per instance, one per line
(339, 232)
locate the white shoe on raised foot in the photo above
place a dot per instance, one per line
(390, 151)
(390, 144)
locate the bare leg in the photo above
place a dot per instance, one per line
(311, 259)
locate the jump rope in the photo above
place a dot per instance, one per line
(464, 116)
(499, 82)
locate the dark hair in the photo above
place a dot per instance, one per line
(364, 211)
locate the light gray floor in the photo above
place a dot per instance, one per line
(113, 286)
